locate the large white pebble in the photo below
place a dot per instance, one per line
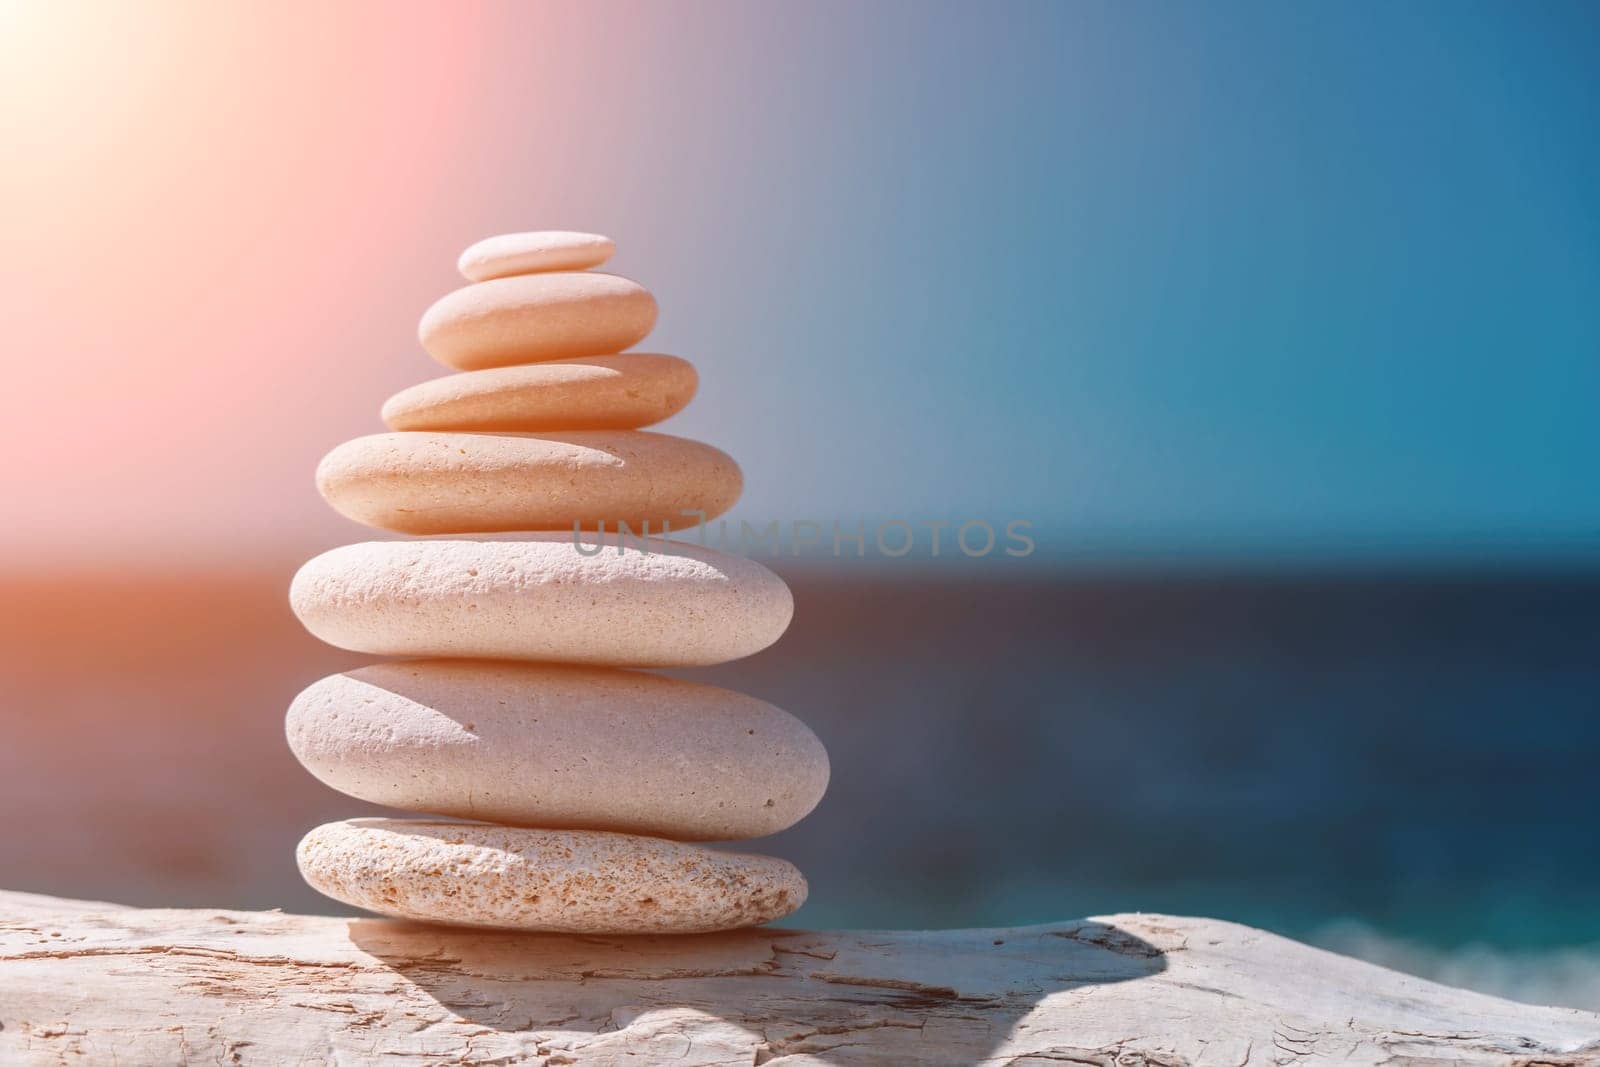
(528, 318)
(560, 748)
(559, 881)
(677, 605)
(528, 253)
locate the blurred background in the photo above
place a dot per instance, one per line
(1280, 323)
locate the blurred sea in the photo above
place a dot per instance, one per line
(1405, 767)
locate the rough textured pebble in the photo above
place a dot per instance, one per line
(568, 881)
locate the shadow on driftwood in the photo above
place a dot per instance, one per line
(771, 991)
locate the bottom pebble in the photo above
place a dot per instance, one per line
(560, 881)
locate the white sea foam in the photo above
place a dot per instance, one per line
(1567, 977)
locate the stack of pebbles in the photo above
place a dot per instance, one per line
(571, 786)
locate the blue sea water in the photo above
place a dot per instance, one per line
(1408, 765)
(1401, 766)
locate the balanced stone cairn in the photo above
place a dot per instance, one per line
(583, 782)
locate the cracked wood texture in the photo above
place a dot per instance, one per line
(99, 983)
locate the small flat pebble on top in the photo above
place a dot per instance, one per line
(529, 253)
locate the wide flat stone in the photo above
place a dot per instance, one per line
(435, 482)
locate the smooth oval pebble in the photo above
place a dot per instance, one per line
(526, 253)
(438, 482)
(560, 748)
(558, 881)
(677, 605)
(532, 317)
(620, 392)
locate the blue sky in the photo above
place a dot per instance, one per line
(1227, 278)
(1233, 277)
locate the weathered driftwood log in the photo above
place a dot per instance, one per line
(106, 984)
